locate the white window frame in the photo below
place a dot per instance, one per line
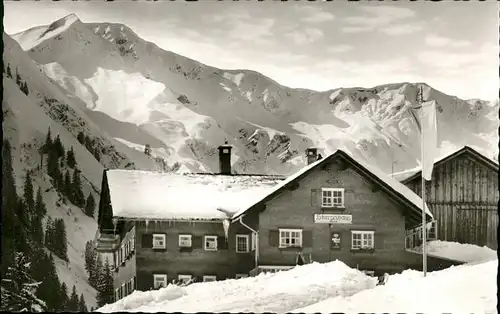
(117, 294)
(247, 243)
(161, 237)
(184, 278)
(283, 236)
(124, 289)
(132, 283)
(366, 237)
(132, 244)
(159, 277)
(212, 237)
(185, 237)
(209, 278)
(331, 203)
(239, 276)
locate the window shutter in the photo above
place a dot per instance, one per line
(314, 197)
(222, 243)
(197, 242)
(274, 238)
(307, 238)
(147, 241)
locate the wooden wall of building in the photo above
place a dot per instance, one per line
(463, 197)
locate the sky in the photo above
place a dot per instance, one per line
(452, 46)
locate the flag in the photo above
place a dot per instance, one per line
(428, 126)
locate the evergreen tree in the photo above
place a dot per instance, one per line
(96, 276)
(61, 240)
(39, 213)
(68, 187)
(18, 78)
(21, 225)
(49, 238)
(90, 206)
(81, 137)
(29, 198)
(70, 158)
(58, 147)
(82, 306)
(63, 295)
(50, 283)
(76, 185)
(52, 164)
(73, 301)
(48, 142)
(105, 288)
(25, 89)
(40, 208)
(18, 288)
(9, 204)
(9, 72)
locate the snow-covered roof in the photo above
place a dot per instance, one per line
(155, 195)
(407, 174)
(391, 182)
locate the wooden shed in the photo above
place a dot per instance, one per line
(463, 197)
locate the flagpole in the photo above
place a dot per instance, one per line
(424, 227)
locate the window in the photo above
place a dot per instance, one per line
(184, 278)
(209, 278)
(117, 294)
(125, 290)
(362, 240)
(132, 245)
(159, 241)
(332, 197)
(210, 243)
(290, 238)
(126, 249)
(160, 281)
(122, 258)
(132, 284)
(254, 241)
(238, 276)
(185, 240)
(242, 243)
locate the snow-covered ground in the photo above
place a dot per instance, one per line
(461, 289)
(462, 252)
(326, 288)
(278, 292)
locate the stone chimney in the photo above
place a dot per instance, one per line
(225, 159)
(311, 155)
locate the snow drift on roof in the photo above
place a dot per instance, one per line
(403, 175)
(156, 195)
(394, 184)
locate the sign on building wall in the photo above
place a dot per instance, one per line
(336, 240)
(332, 219)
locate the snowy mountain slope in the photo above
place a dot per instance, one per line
(25, 126)
(188, 108)
(27, 119)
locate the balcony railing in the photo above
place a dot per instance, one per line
(413, 237)
(106, 241)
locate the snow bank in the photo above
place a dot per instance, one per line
(468, 253)
(143, 194)
(279, 292)
(461, 289)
